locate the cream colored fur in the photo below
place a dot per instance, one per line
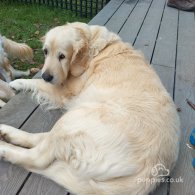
(9, 48)
(17, 50)
(120, 122)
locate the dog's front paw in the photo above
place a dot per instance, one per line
(18, 84)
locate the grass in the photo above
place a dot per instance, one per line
(27, 23)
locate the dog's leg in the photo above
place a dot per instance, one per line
(44, 92)
(32, 85)
(38, 157)
(19, 137)
(18, 73)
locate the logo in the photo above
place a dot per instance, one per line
(160, 170)
(160, 173)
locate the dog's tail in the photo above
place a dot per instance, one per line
(17, 50)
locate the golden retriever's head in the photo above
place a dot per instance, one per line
(66, 52)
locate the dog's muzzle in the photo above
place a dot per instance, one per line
(47, 77)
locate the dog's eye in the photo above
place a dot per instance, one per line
(45, 51)
(61, 56)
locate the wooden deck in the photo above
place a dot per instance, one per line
(167, 38)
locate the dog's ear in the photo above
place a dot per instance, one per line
(80, 56)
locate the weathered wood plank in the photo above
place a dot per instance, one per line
(106, 13)
(166, 75)
(11, 178)
(165, 50)
(134, 22)
(13, 113)
(147, 36)
(37, 185)
(41, 120)
(185, 88)
(120, 16)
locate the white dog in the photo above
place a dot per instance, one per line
(120, 123)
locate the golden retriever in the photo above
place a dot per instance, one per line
(11, 49)
(120, 123)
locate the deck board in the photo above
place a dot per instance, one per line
(106, 13)
(185, 88)
(166, 75)
(11, 178)
(9, 114)
(38, 185)
(146, 38)
(121, 15)
(165, 49)
(130, 30)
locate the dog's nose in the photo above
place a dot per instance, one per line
(47, 77)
